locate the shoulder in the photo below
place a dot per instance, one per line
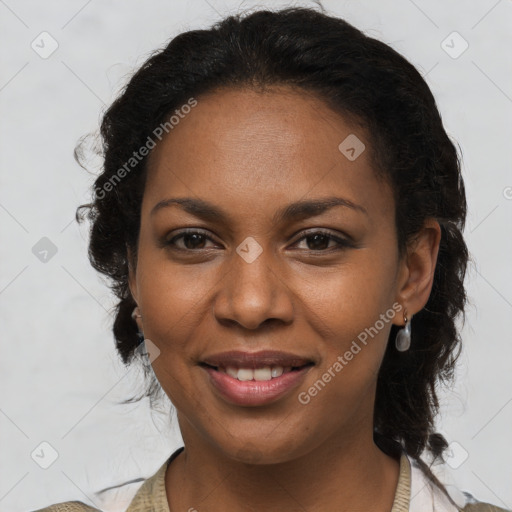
(150, 495)
(68, 506)
(427, 495)
(473, 505)
(483, 507)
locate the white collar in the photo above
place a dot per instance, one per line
(426, 496)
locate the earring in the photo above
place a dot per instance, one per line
(403, 338)
(136, 314)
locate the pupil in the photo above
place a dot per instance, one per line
(193, 236)
(315, 244)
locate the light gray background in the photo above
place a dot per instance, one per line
(60, 376)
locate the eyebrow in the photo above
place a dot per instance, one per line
(294, 211)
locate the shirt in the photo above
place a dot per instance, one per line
(415, 492)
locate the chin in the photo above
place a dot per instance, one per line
(266, 451)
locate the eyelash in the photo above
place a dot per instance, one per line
(342, 243)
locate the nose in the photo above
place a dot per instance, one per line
(253, 292)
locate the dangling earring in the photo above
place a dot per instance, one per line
(136, 314)
(403, 338)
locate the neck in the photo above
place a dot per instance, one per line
(341, 474)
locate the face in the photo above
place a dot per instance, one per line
(311, 283)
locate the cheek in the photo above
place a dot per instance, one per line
(354, 315)
(340, 301)
(172, 297)
(336, 306)
(351, 297)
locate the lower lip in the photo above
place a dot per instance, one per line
(253, 392)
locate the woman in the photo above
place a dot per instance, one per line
(281, 215)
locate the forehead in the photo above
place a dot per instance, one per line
(276, 146)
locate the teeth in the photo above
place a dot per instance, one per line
(277, 371)
(245, 374)
(262, 373)
(232, 372)
(265, 373)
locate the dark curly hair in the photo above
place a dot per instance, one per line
(364, 80)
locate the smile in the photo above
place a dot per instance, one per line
(255, 386)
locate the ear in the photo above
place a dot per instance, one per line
(418, 266)
(132, 282)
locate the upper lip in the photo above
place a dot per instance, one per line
(243, 359)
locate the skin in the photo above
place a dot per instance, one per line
(252, 153)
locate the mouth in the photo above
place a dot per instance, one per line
(259, 374)
(255, 379)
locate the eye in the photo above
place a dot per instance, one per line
(315, 241)
(319, 241)
(192, 239)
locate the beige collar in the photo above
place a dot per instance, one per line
(152, 496)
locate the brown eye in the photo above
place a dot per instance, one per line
(191, 240)
(319, 241)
